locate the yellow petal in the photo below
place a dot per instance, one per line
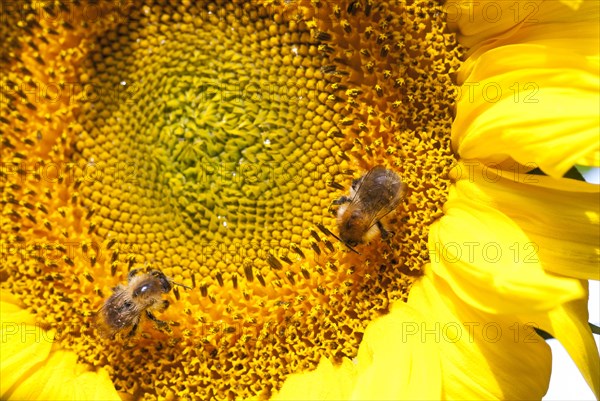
(574, 4)
(569, 38)
(11, 310)
(24, 346)
(28, 368)
(395, 366)
(94, 386)
(560, 217)
(529, 89)
(327, 382)
(488, 24)
(530, 104)
(480, 252)
(535, 60)
(569, 324)
(482, 20)
(481, 354)
(61, 378)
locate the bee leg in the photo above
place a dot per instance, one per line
(385, 234)
(133, 330)
(160, 323)
(341, 200)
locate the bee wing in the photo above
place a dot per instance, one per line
(117, 313)
(357, 186)
(104, 327)
(378, 193)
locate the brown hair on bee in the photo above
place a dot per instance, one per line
(128, 303)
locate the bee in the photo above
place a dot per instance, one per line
(372, 196)
(128, 303)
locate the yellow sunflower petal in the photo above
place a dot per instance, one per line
(478, 250)
(561, 218)
(11, 310)
(327, 382)
(24, 346)
(481, 354)
(531, 94)
(482, 20)
(27, 362)
(94, 386)
(534, 108)
(569, 324)
(574, 4)
(61, 378)
(488, 24)
(395, 366)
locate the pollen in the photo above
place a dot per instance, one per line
(209, 140)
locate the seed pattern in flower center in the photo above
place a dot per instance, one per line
(216, 133)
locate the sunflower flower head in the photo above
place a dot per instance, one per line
(209, 140)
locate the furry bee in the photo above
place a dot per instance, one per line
(142, 295)
(372, 196)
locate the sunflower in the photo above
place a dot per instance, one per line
(209, 140)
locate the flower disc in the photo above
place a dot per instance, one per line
(209, 140)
